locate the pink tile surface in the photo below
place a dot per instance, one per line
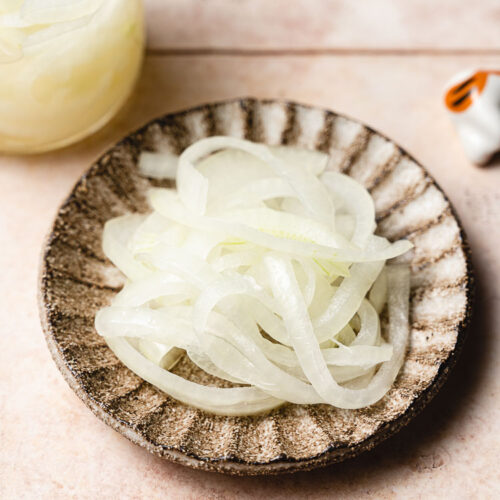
(268, 24)
(53, 447)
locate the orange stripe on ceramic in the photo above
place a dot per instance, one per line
(462, 95)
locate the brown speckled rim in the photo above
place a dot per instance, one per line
(230, 463)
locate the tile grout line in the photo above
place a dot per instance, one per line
(306, 52)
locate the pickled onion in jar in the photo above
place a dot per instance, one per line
(66, 67)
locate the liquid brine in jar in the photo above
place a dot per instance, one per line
(66, 67)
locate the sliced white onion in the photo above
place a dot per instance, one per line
(201, 359)
(264, 274)
(306, 347)
(253, 194)
(236, 259)
(193, 187)
(313, 161)
(168, 204)
(357, 201)
(287, 226)
(378, 292)
(232, 401)
(347, 299)
(162, 355)
(157, 285)
(158, 165)
(115, 238)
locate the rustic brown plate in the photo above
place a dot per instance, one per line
(76, 280)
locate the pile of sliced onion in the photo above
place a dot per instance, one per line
(262, 267)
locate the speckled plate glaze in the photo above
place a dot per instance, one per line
(76, 279)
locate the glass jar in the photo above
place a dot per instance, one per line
(66, 67)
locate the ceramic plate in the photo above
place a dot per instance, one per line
(76, 280)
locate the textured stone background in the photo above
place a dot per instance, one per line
(385, 64)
